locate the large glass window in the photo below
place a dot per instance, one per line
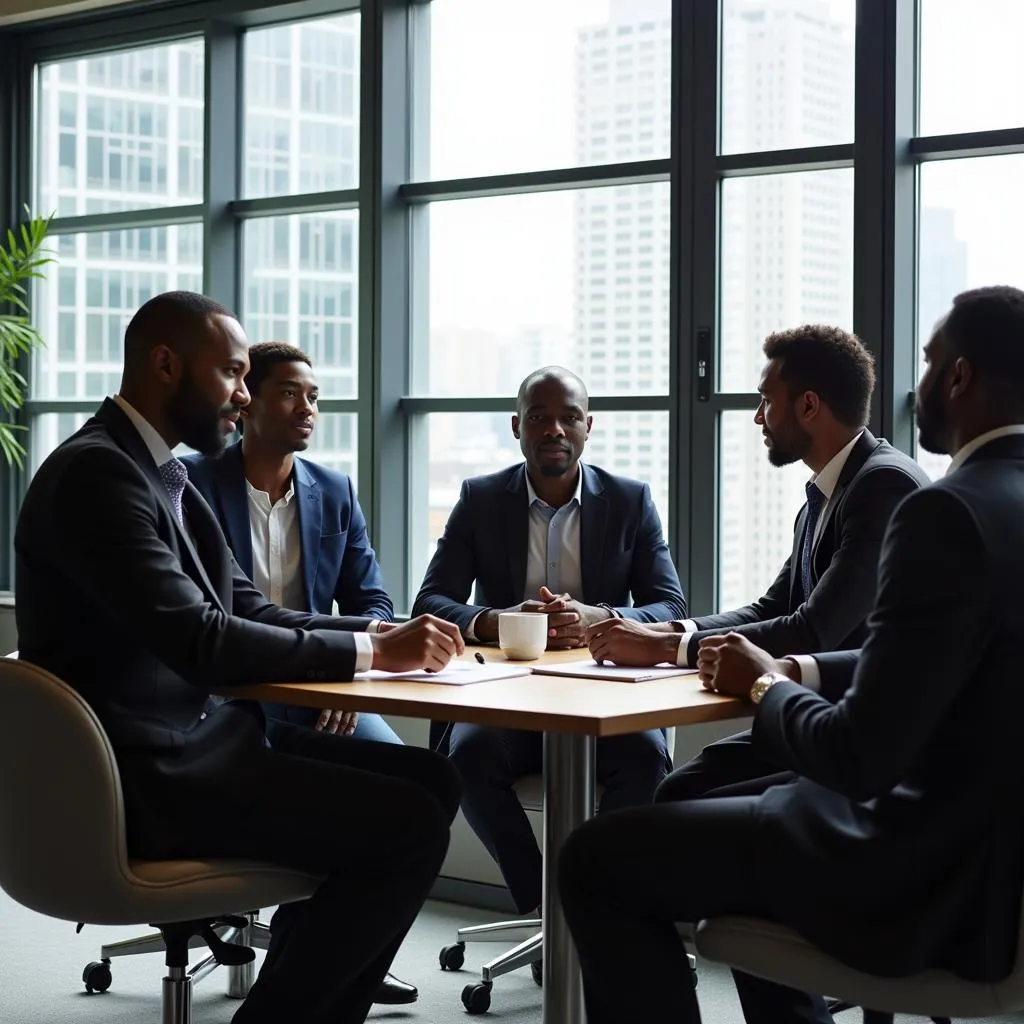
(300, 287)
(593, 297)
(302, 107)
(84, 306)
(535, 84)
(787, 73)
(121, 131)
(787, 259)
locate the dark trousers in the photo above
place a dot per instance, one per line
(627, 878)
(489, 761)
(727, 767)
(373, 818)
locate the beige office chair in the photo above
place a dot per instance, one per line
(62, 842)
(771, 951)
(476, 998)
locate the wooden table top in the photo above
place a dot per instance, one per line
(596, 707)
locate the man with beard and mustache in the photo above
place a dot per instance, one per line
(297, 531)
(128, 592)
(898, 846)
(815, 398)
(577, 543)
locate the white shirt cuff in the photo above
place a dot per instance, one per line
(373, 626)
(364, 651)
(683, 655)
(810, 675)
(689, 626)
(471, 631)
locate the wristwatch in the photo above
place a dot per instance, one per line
(762, 684)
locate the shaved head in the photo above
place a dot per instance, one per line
(565, 377)
(178, 320)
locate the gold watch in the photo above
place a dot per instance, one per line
(762, 684)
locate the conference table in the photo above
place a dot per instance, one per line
(572, 713)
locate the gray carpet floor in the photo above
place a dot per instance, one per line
(41, 962)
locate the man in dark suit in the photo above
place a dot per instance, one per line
(899, 847)
(573, 542)
(815, 399)
(128, 592)
(297, 531)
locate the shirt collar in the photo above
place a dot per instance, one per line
(154, 442)
(982, 439)
(255, 492)
(531, 494)
(827, 479)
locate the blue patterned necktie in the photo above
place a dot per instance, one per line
(815, 503)
(174, 476)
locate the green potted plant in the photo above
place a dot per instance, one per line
(21, 261)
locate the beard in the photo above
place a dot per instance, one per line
(197, 422)
(932, 421)
(790, 445)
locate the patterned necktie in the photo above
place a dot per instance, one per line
(174, 476)
(815, 503)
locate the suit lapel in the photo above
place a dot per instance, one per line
(866, 444)
(311, 511)
(796, 587)
(123, 431)
(593, 524)
(234, 502)
(206, 552)
(516, 520)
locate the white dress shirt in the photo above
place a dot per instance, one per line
(276, 547)
(161, 453)
(810, 675)
(826, 482)
(552, 547)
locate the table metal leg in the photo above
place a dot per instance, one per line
(569, 762)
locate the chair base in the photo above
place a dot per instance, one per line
(240, 977)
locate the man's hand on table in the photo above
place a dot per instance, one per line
(730, 663)
(626, 642)
(425, 642)
(343, 722)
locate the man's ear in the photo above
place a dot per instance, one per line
(515, 427)
(960, 376)
(165, 363)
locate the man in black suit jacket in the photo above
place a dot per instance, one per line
(575, 543)
(815, 398)
(899, 847)
(128, 591)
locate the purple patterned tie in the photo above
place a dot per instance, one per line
(174, 476)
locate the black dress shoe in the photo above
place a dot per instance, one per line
(392, 992)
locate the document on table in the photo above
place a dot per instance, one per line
(590, 669)
(458, 673)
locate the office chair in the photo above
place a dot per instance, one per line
(768, 950)
(59, 757)
(529, 948)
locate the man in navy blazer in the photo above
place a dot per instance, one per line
(571, 541)
(297, 531)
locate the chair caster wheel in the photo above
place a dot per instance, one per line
(537, 970)
(452, 958)
(477, 998)
(97, 976)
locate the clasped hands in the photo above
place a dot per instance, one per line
(568, 619)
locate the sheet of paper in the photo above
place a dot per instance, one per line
(623, 674)
(458, 673)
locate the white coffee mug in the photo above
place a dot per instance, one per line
(523, 636)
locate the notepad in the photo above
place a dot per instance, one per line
(590, 669)
(458, 673)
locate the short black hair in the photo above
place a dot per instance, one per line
(559, 373)
(986, 327)
(829, 361)
(266, 355)
(176, 319)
